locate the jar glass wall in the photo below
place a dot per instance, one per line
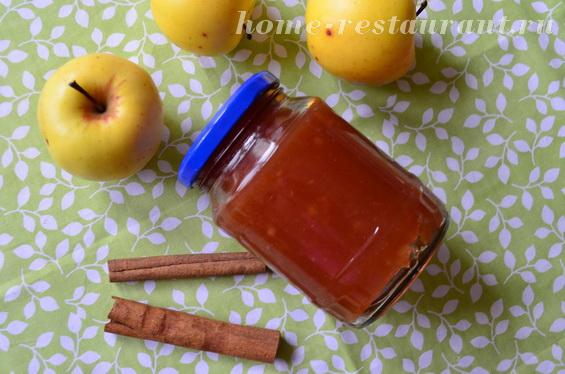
(312, 197)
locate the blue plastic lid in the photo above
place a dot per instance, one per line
(221, 124)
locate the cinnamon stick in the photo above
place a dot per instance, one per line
(133, 319)
(184, 266)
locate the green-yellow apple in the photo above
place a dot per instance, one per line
(353, 39)
(101, 117)
(204, 27)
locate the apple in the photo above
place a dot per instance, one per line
(369, 54)
(101, 117)
(204, 27)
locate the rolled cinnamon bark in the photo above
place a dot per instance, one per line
(184, 266)
(133, 319)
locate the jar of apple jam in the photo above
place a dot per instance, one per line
(315, 199)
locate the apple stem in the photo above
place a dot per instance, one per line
(100, 108)
(422, 8)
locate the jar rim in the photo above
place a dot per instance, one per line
(222, 123)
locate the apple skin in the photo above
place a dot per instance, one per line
(204, 27)
(369, 58)
(101, 146)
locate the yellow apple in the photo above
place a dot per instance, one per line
(354, 42)
(204, 27)
(112, 128)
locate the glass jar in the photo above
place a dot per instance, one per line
(315, 199)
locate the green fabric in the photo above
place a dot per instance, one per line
(480, 120)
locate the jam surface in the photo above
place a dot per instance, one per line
(319, 203)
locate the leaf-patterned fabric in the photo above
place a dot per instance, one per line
(481, 120)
